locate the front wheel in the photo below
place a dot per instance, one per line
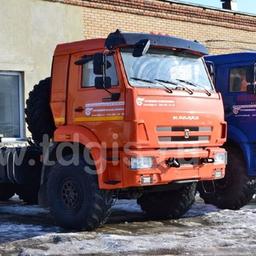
(75, 200)
(235, 190)
(168, 204)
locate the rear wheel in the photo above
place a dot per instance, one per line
(6, 191)
(168, 204)
(38, 111)
(75, 200)
(233, 191)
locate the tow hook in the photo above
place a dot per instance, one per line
(207, 160)
(173, 162)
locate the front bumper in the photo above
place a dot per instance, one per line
(194, 166)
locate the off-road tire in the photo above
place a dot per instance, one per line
(38, 111)
(28, 193)
(74, 198)
(170, 204)
(235, 190)
(7, 191)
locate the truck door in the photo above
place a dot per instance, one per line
(93, 108)
(239, 105)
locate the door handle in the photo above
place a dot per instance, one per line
(79, 109)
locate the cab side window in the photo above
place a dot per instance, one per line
(88, 77)
(240, 77)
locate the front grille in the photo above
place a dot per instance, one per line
(182, 139)
(184, 133)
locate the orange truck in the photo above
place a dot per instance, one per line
(131, 116)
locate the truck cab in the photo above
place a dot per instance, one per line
(156, 106)
(235, 79)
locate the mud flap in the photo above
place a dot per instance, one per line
(209, 189)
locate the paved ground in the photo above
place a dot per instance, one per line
(205, 230)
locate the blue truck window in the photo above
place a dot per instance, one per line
(240, 77)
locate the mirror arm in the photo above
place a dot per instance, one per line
(105, 74)
(108, 91)
(114, 96)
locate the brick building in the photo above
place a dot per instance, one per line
(30, 29)
(220, 30)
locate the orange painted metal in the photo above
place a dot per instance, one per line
(135, 125)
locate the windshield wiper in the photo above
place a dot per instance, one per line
(184, 88)
(195, 85)
(142, 80)
(176, 87)
(151, 82)
(166, 82)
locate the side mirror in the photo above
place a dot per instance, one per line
(211, 69)
(141, 48)
(103, 82)
(251, 88)
(100, 64)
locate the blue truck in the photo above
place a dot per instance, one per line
(234, 76)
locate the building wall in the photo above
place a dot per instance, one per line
(29, 32)
(221, 31)
(217, 39)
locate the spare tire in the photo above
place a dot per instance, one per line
(38, 112)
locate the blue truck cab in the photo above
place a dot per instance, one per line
(234, 77)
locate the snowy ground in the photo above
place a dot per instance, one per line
(205, 230)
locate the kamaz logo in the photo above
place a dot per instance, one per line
(186, 133)
(190, 118)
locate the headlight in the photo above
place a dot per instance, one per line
(220, 158)
(144, 162)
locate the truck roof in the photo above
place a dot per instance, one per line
(78, 46)
(232, 57)
(120, 39)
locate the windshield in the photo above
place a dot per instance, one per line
(167, 67)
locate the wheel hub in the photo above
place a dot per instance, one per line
(69, 194)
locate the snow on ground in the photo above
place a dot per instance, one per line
(204, 230)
